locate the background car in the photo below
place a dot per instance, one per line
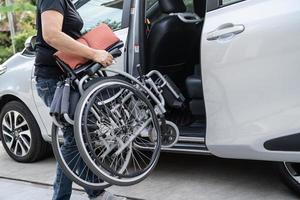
(248, 74)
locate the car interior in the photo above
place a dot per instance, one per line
(172, 46)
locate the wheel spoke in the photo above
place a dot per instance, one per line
(141, 153)
(141, 157)
(16, 116)
(135, 160)
(69, 154)
(87, 175)
(7, 134)
(73, 158)
(25, 142)
(80, 175)
(23, 151)
(76, 163)
(10, 120)
(6, 124)
(16, 148)
(9, 144)
(26, 133)
(24, 123)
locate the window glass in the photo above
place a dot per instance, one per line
(94, 12)
(189, 4)
(225, 2)
(150, 3)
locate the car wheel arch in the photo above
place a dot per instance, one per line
(8, 98)
(5, 99)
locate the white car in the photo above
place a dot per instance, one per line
(236, 63)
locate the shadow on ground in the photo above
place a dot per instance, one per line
(179, 177)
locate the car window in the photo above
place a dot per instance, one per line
(150, 3)
(189, 4)
(94, 12)
(226, 2)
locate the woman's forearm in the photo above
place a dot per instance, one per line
(65, 43)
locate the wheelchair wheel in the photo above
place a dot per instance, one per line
(73, 165)
(112, 117)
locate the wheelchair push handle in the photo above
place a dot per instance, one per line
(116, 53)
(115, 49)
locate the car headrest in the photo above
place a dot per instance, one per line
(172, 6)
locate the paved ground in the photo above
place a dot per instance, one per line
(178, 177)
(15, 190)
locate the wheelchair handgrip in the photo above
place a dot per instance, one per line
(116, 53)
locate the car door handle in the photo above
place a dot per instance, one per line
(225, 31)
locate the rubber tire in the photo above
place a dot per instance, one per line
(81, 148)
(39, 148)
(65, 169)
(287, 179)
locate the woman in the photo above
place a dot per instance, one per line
(58, 26)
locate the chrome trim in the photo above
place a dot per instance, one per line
(190, 145)
(200, 150)
(191, 18)
(192, 139)
(186, 151)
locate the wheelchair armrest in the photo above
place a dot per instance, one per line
(116, 53)
(91, 67)
(94, 67)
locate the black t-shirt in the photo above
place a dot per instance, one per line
(46, 66)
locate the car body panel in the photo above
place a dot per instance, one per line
(251, 80)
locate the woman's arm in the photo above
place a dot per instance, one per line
(52, 22)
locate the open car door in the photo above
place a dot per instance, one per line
(251, 68)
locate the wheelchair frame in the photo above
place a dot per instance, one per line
(151, 84)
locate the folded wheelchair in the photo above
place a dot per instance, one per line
(118, 121)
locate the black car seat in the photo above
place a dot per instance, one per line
(195, 92)
(173, 41)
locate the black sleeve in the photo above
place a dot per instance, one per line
(57, 5)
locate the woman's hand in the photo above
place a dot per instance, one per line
(103, 57)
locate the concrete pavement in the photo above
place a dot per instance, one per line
(178, 177)
(16, 190)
